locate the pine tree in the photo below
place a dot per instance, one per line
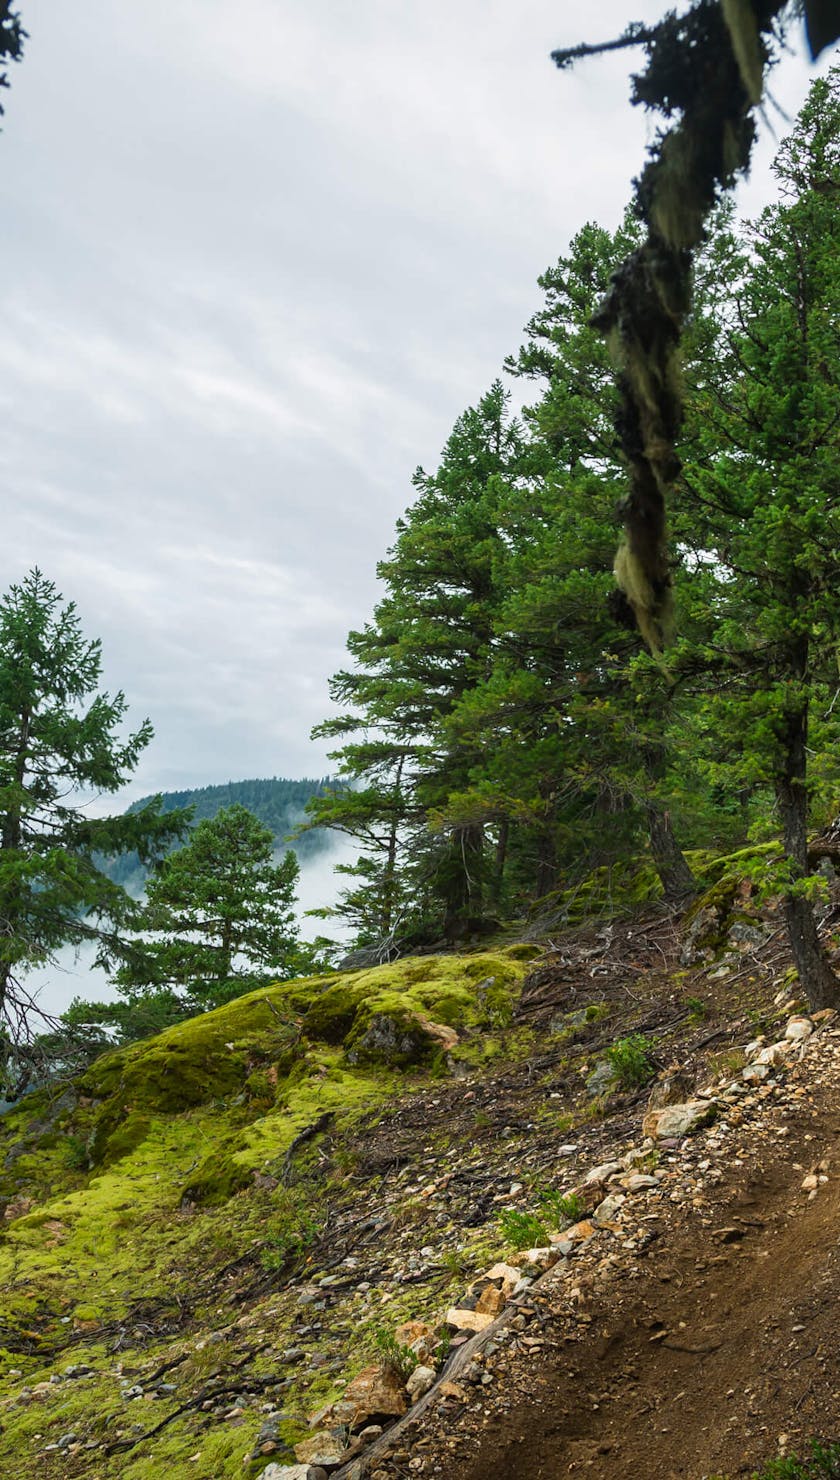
(59, 743)
(762, 493)
(221, 915)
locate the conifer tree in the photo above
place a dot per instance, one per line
(220, 912)
(59, 748)
(761, 494)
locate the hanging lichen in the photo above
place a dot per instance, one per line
(705, 70)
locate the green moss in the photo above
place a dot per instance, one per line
(168, 1132)
(330, 1019)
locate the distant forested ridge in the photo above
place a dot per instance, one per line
(277, 801)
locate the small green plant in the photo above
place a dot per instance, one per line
(75, 1153)
(697, 1008)
(630, 1060)
(292, 1231)
(567, 1207)
(400, 1361)
(522, 1230)
(455, 1262)
(822, 1464)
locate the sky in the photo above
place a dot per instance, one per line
(257, 258)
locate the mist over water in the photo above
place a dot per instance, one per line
(74, 975)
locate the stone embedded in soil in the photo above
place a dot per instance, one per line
(673, 1122)
(607, 1210)
(418, 1384)
(799, 1028)
(774, 1054)
(374, 1393)
(491, 1301)
(322, 1448)
(293, 1472)
(468, 1320)
(640, 1182)
(603, 1173)
(507, 1273)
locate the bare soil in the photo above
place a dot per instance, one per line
(724, 1352)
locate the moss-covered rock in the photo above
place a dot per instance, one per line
(393, 1038)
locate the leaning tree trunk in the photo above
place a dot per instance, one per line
(822, 987)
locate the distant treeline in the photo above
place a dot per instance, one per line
(278, 802)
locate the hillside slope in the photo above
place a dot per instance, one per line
(222, 1244)
(278, 802)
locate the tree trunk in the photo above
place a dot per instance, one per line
(464, 901)
(499, 861)
(821, 986)
(546, 877)
(678, 882)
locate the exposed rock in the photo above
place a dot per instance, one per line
(799, 1028)
(445, 1037)
(507, 1273)
(601, 1080)
(491, 1301)
(774, 1054)
(676, 1121)
(468, 1320)
(606, 1210)
(671, 1089)
(602, 1173)
(640, 1181)
(291, 1472)
(390, 1039)
(374, 1393)
(321, 1448)
(421, 1379)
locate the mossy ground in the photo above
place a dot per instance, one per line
(129, 1192)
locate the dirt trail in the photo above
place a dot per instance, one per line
(694, 1362)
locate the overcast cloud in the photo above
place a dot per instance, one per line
(257, 257)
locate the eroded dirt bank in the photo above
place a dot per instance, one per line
(706, 1348)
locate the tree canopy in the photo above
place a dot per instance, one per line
(60, 750)
(504, 729)
(218, 919)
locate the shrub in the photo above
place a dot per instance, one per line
(630, 1060)
(522, 1230)
(400, 1361)
(823, 1464)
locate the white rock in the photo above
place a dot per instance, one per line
(507, 1273)
(288, 1472)
(775, 1053)
(607, 1210)
(799, 1028)
(603, 1172)
(676, 1121)
(421, 1379)
(468, 1320)
(755, 1073)
(639, 1181)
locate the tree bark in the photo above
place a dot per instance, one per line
(821, 985)
(678, 882)
(499, 862)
